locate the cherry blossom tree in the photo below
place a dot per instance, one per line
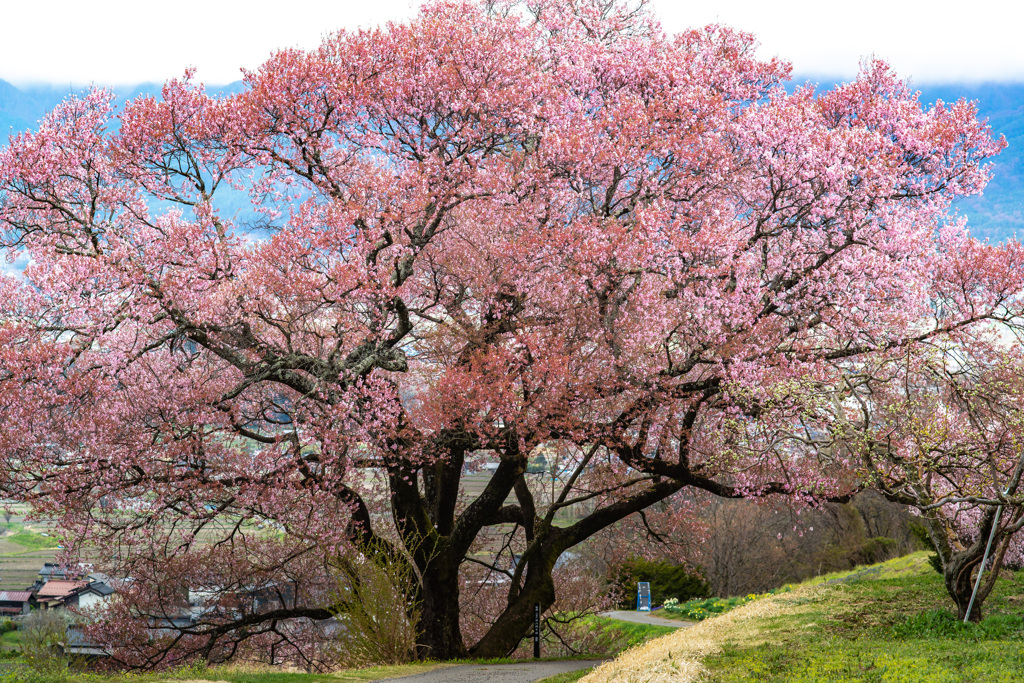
(476, 235)
(939, 428)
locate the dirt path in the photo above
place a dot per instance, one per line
(524, 672)
(647, 618)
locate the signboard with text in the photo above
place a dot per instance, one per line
(536, 630)
(643, 597)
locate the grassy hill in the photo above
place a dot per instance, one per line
(887, 623)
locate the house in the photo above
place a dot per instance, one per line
(243, 600)
(53, 570)
(58, 593)
(79, 645)
(96, 594)
(270, 597)
(50, 571)
(14, 603)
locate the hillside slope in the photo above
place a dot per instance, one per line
(887, 623)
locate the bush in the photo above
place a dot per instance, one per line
(920, 532)
(700, 609)
(668, 581)
(44, 635)
(379, 612)
(7, 625)
(875, 550)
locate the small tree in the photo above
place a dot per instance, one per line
(942, 430)
(44, 640)
(667, 580)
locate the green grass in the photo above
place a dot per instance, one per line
(628, 634)
(10, 640)
(699, 609)
(32, 540)
(17, 533)
(892, 623)
(16, 672)
(350, 676)
(567, 677)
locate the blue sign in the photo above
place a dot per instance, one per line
(643, 597)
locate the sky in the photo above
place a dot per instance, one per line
(114, 42)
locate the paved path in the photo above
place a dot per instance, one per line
(524, 672)
(527, 671)
(647, 618)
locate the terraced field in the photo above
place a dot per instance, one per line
(23, 550)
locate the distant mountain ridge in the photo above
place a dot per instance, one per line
(22, 108)
(996, 215)
(999, 212)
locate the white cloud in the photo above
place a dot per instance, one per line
(126, 41)
(925, 40)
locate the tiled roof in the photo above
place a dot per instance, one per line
(56, 569)
(58, 589)
(15, 596)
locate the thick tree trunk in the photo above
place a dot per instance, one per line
(959, 566)
(516, 622)
(440, 634)
(960, 584)
(513, 625)
(958, 576)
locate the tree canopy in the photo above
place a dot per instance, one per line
(480, 235)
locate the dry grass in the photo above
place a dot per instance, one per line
(677, 657)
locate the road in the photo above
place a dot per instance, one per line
(647, 618)
(523, 672)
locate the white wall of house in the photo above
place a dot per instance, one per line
(86, 600)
